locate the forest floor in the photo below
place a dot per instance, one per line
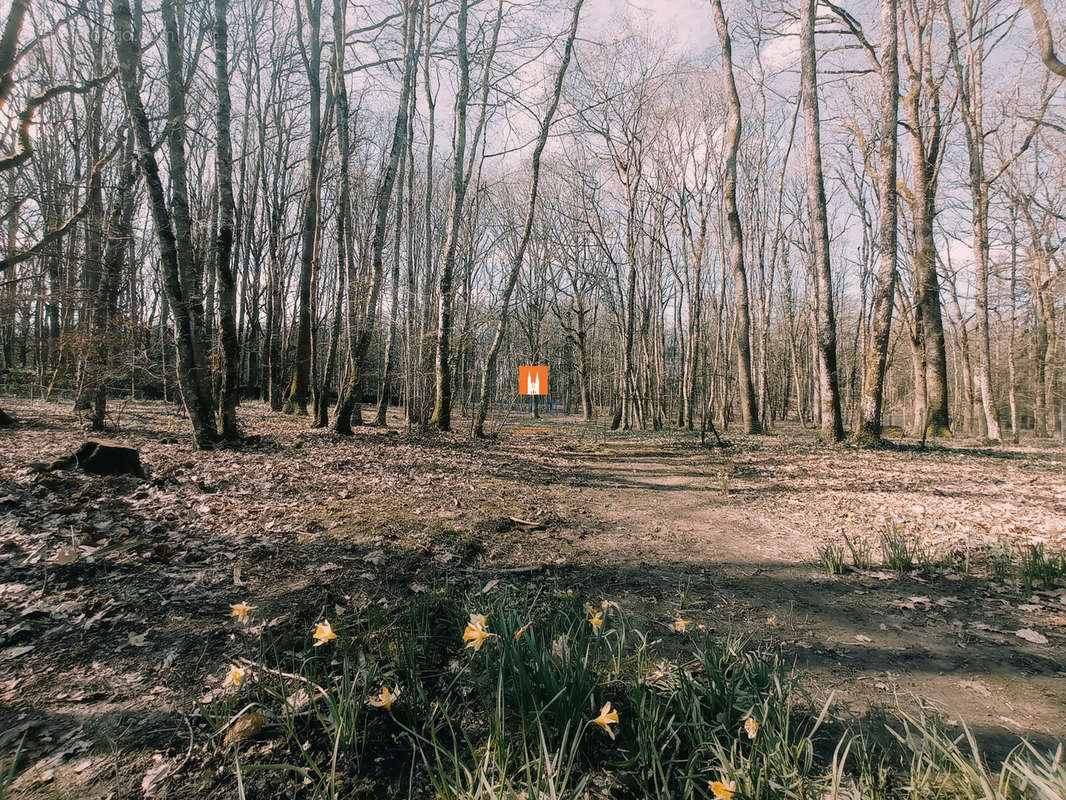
(115, 593)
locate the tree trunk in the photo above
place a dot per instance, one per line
(871, 404)
(394, 290)
(349, 397)
(119, 230)
(832, 424)
(442, 403)
(224, 267)
(748, 408)
(192, 367)
(300, 387)
(926, 149)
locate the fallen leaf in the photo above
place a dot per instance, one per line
(488, 587)
(1031, 636)
(976, 686)
(247, 727)
(65, 555)
(153, 780)
(859, 637)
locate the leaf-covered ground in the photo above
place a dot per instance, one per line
(115, 593)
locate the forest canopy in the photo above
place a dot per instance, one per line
(739, 213)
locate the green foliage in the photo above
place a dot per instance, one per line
(518, 717)
(901, 552)
(833, 558)
(1039, 565)
(861, 552)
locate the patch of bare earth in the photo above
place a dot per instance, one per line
(115, 592)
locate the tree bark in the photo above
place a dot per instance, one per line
(748, 407)
(442, 403)
(192, 367)
(300, 387)
(871, 404)
(224, 267)
(832, 423)
(119, 230)
(1045, 42)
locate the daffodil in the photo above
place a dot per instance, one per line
(680, 625)
(234, 677)
(607, 718)
(518, 634)
(723, 790)
(323, 633)
(241, 611)
(771, 622)
(385, 699)
(475, 633)
(751, 727)
(596, 620)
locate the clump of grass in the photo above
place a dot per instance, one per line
(1037, 564)
(900, 551)
(724, 482)
(861, 552)
(1001, 561)
(833, 558)
(563, 699)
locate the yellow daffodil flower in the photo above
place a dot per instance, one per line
(234, 677)
(323, 633)
(680, 625)
(475, 633)
(771, 622)
(241, 611)
(522, 630)
(723, 790)
(607, 718)
(385, 699)
(751, 727)
(596, 620)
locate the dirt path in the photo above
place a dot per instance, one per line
(671, 541)
(102, 660)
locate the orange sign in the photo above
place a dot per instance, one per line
(532, 380)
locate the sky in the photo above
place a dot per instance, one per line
(686, 24)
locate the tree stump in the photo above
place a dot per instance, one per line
(103, 458)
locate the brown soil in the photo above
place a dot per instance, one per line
(102, 657)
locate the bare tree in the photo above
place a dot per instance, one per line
(873, 379)
(173, 238)
(224, 267)
(832, 423)
(1044, 40)
(748, 407)
(527, 228)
